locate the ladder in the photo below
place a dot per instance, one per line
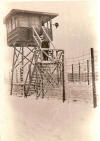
(33, 84)
(47, 36)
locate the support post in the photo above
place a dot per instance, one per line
(16, 76)
(22, 63)
(72, 74)
(57, 73)
(21, 71)
(51, 29)
(88, 72)
(93, 79)
(36, 81)
(79, 72)
(60, 74)
(57, 68)
(42, 81)
(63, 78)
(12, 72)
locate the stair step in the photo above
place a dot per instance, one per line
(41, 37)
(31, 90)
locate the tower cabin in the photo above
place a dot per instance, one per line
(20, 25)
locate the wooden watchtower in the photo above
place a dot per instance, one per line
(36, 65)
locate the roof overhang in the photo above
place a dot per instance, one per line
(18, 11)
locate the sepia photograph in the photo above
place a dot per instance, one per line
(49, 70)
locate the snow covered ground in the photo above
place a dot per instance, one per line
(47, 120)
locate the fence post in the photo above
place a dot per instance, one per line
(63, 79)
(93, 79)
(88, 72)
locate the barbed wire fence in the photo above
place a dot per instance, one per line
(80, 79)
(81, 75)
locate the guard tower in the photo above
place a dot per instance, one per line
(37, 65)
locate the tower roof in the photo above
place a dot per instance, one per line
(45, 15)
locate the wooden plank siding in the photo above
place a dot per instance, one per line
(19, 28)
(20, 35)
